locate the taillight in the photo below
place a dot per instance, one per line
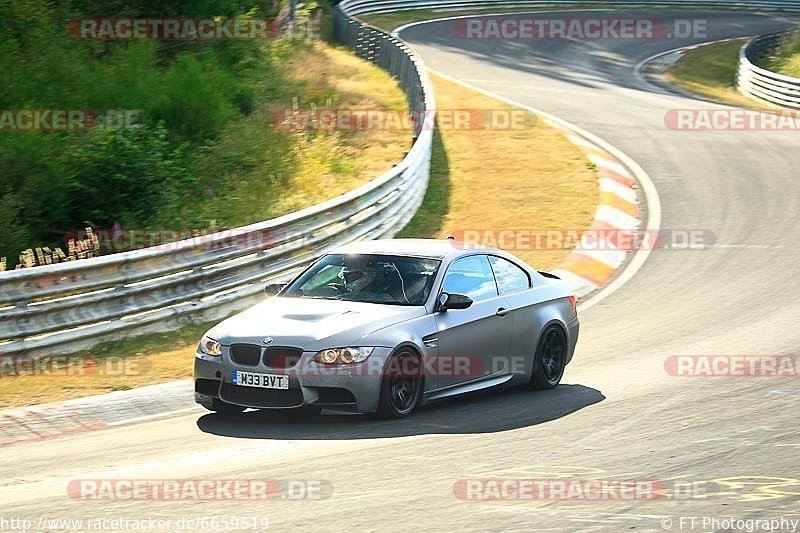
(573, 301)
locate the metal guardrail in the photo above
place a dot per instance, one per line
(69, 306)
(363, 7)
(763, 84)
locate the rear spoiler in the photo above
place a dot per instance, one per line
(548, 274)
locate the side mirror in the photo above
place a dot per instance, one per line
(274, 288)
(453, 301)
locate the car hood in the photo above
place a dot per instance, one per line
(310, 324)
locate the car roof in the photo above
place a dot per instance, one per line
(430, 248)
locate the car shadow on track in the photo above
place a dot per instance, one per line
(482, 412)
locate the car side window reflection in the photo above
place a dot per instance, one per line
(510, 277)
(471, 276)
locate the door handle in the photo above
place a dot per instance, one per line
(501, 312)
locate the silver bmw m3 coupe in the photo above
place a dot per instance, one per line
(385, 326)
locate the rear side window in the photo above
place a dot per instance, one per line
(471, 276)
(510, 277)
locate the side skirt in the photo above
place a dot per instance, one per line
(472, 386)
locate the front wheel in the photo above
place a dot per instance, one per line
(550, 359)
(401, 386)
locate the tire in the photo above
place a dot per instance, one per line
(550, 359)
(401, 385)
(224, 408)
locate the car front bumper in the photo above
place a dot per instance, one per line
(354, 387)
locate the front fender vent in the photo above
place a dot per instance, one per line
(431, 341)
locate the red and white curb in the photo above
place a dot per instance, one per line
(597, 257)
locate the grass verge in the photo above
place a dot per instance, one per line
(504, 179)
(321, 164)
(520, 179)
(119, 365)
(710, 71)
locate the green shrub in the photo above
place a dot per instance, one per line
(204, 152)
(128, 176)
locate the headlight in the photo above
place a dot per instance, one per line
(343, 355)
(210, 347)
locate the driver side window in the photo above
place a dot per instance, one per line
(471, 276)
(328, 274)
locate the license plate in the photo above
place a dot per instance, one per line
(262, 381)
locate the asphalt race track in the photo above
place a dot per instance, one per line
(619, 415)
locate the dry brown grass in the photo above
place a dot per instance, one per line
(85, 379)
(120, 365)
(323, 163)
(507, 179)
(359, 85)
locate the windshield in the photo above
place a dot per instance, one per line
(385, 279)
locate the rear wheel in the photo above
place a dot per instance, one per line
(550, 359)
(401, 386)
